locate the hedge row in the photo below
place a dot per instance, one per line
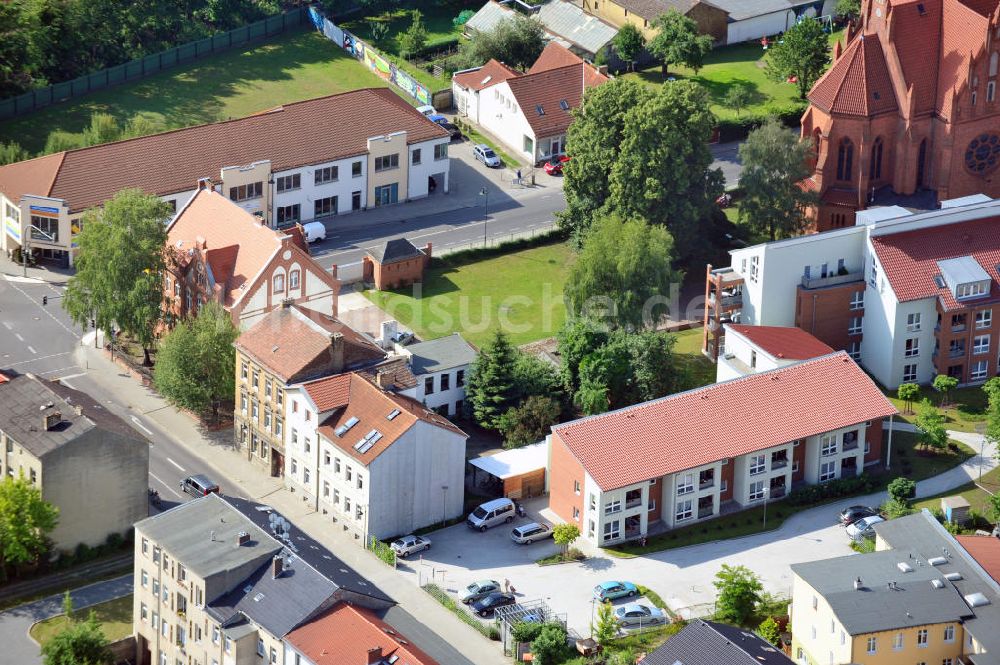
(489, 631)
(736, 129)
(834, 489)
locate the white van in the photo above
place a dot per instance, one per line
(491, 513)
(314, 231)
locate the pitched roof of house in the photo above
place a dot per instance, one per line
(394, 371)
(237, 246)
(27, 399)
(294, 342)
(553, 56)
(789, 343)
(171, 161)
(723, 420)
(985, 550)
(909, 260)
(919, 52)
(481, 77)
(711, 643)
(440, 354)
(651, 9)
(571, 23)
(347, 634)
(740, 10)
(548, 96)
(32, 176)
(368, 408)
(858, 83)
(397, 249)
(963, 28)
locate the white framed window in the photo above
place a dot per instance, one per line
(145, 579)
(909, 373)
(289, 182)
(984, 318)
(827, 471)
(260, 647)
(612, 530)
(922, 637)
(873, 276)
(593, 502)
(970, 290)
(293, 283)
(980, 344)
(758, 464)
(857, 300)
(576, 487)
(854, 350)
(911, 348)
(795, 466)
(949, 633)
(724, 487)
(754, 268)
(872, 645)
(325, 175)
(855, 325)
(684, 511)
(685, 484)
(828, 445)
(978, 370)
(612, 507)
(756, 490)
(576, 513)
(143, 612)
(913, 322)
(305, 474)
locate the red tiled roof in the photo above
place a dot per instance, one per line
(909, 260)
(858, 83)
(962, 37)
(32, 176)
(554, 56)
(780, 342)
(293, 135)
(491, 73)
(723, 420)
(294, 341)
(985, 550)
(329, 393)
(841, 197)
(547, 89)
(918, 49)
(346, 634)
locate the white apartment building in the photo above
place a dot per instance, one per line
(909, 295)
(751, 349)
(440, 367)
(377, 463)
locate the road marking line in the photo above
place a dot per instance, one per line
(61, 369)
(63, 379)
(177, 465)
(169, 488)
(140, 425)
(67, 384)
(32, 349)
(18, 336)
(54, 355)
(7, 326)
(47, 312)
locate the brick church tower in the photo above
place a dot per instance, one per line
(909, 112)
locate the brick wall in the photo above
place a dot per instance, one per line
(564, 470)
(727, 476)
(711, 21)
(826, 313)
(874, 437)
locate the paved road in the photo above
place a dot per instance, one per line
(19, 648)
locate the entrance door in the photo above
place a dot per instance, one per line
(277, 464)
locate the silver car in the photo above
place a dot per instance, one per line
(863, 528)
(477, 590)
(407, 545)
(529, 533)
(634, 614)
(485, 154)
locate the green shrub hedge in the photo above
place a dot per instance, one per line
(810, 494)
(736, 129)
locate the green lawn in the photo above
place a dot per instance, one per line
(966, 407)
(521, 290)
(292, 67)
(739, 64)
(688, 348)
(115, 617)
(974, 494)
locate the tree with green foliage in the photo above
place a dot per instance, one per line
(528, 422)
(622, 276)
(931, 431)
(578, 338)
(802, 53)
(992, 431)
(739, 593)
(848, 8)
(993, 508)
(769, 630)
(908, 392)
(774, 163)
(103, 128)
(564, 535)
(738, 97)
(80, 643)
(67, 606)
(415, 37)
(549, 647)
(605, 628)
(490, 389)
(678, 41)
(378, 28)
(902, 489)
(534, 376)
(893, 509)
(628, 44)
(517, 42)
(196, 364)
(25, 522)
(12, 152)
(59, 140)
(463, 17)
(944, 384)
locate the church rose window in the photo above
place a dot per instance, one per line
(983, 154)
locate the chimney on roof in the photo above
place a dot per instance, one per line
(200, 242)
(333, 271)
(857, 584)
(277, 566)
(78, 409)
(384, 379)
(337, 352)
(374, 656)
(50, 420)
(204, 183)
(388, 330)
(242, 538)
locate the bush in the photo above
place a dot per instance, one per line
(902, 489)
(488, 631)
(894, 508)
(737, 129)
(114, 541)
(526, 631)
(549, 646)
(810, 494)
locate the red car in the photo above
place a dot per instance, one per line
(555, 165)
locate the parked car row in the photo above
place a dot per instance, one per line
(860, 521)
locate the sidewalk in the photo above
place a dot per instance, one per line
(50, 273)
(18, 647)
(232, 468)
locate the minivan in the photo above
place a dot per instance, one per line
(199, 485)
(491, 513)
(314, 232)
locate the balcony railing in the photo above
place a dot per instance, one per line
(705, 485)
(777, 492)
(958, 328)
(831, 280)
(705, 512)
(850, 446)
(633, 503)
(728, 299)
(956, 353)
(779, 463)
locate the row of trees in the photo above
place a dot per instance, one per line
(49, 41)
(103, 128)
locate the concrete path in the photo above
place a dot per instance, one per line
(18, 647)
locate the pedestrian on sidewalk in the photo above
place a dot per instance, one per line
(506, 584)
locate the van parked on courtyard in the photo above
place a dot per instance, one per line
(491, 513)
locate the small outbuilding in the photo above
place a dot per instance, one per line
(395, 264)
(955, 509)
(521, 471)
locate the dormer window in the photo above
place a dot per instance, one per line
(964, 277)
(971, 290)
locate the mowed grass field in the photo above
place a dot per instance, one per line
(291, 67)
(115, 617)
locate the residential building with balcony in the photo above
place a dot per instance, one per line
(86, 461)
(289, 345)
(752, 349)
(919, 598)
(698, 454)
(218, 252)
(374, 462)
(909, 295)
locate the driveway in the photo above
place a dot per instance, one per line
(682, 577)
(18, 647)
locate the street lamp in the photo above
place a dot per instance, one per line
(444, 504)
(981, 431)
(486, 210)
(25, 246)
(767, 490)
